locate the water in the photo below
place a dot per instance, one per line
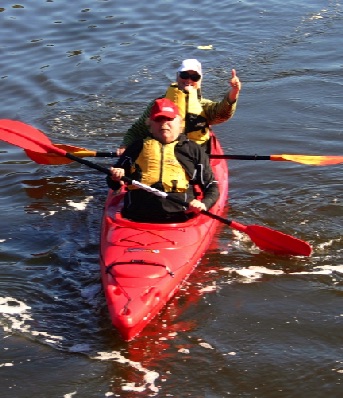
(247, 323)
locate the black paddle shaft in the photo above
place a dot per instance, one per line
(241, 157)
(88, 163)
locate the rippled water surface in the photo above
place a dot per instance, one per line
(247, 323)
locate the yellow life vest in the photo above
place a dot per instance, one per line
(191, 111)
(158, 163)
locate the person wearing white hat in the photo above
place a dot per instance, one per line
(198, 113)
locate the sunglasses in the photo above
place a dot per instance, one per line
(186, 75)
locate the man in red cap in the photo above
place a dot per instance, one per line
(198, 113)
(168, 161)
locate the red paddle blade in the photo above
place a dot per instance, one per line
(51, 158)
(274, 241)
(23, 135)
(277, 242)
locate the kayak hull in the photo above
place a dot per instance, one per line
(144, 264)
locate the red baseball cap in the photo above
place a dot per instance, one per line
(164, 107)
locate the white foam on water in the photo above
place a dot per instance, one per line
(6, 364)
(44, 214)
(50, 213)
(209, 289)
(241, 241)
(327, 244)
(18, 317)
(149, 376)
(8, 305)
(206, 345)
(253, 273)
(70, 394)
(81, 205)
(324, 270)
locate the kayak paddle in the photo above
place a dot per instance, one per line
(27, 137)
(314, 160)
(53, 159)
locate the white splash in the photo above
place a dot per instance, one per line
(69, 395)
(324, 270)
(9, 305)
(206, 345)
(253, 273)
(149, 376)
(18, 317)
(49, 213)
(209, 289)
(324, 245)
(81, 205)
(6, 364)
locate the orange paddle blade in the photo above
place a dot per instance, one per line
(313, 160)
(53, 158)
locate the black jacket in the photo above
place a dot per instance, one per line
(141, 205)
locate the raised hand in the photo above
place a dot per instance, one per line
(236, 86)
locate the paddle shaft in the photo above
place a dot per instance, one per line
(233, 157)
(236, 157)
(309, 160)
(241, 157)
(53, 159)
(99, 154)
(88, 163)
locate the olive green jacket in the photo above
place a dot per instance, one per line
(216, 112)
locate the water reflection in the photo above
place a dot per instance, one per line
(52, 192)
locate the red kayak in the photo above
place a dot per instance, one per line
(144, 264)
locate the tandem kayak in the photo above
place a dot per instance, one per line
(144, 264)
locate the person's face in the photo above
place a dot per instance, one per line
(165, 130)
(187, 80)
